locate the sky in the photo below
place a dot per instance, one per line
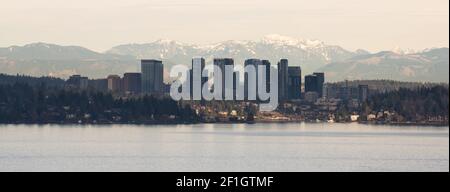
(374, 25)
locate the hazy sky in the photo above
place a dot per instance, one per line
(100, 24)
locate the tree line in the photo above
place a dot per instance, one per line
(33, 81)
(412, 104)
(23, 103)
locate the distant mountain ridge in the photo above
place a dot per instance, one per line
(430, 65)
(39, 59)
(42, 59)
(309, 54)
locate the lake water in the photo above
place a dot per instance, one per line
(224, 147)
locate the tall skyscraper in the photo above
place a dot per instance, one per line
(132, 83)
(283, 79)
(152, 76)
(247, 87)
(221, 63)
(266, 64)
(294, 82)
(198, 79)
(321, 81)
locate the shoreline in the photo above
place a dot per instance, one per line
(240, 122)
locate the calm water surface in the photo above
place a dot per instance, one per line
(223, 147)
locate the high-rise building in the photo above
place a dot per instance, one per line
(247, 87)
(198, 79)
(221, 63)
(294, 82)
(132, 83)
(283, 79)
(267, 66)
(314, 83)
(114, 83)
(152, 77)
(321, 81)
(311, 83)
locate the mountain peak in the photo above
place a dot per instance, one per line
(285, 40)
(39, 44)
(362, 52)
(311, 55)
(401, 51)
(170, 42)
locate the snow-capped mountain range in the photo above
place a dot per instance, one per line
(312, 55)
(309, 54)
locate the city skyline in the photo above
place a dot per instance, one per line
(227, 86)
(289, 79)
(375, 26)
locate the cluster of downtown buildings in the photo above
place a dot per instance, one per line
(151, 81)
